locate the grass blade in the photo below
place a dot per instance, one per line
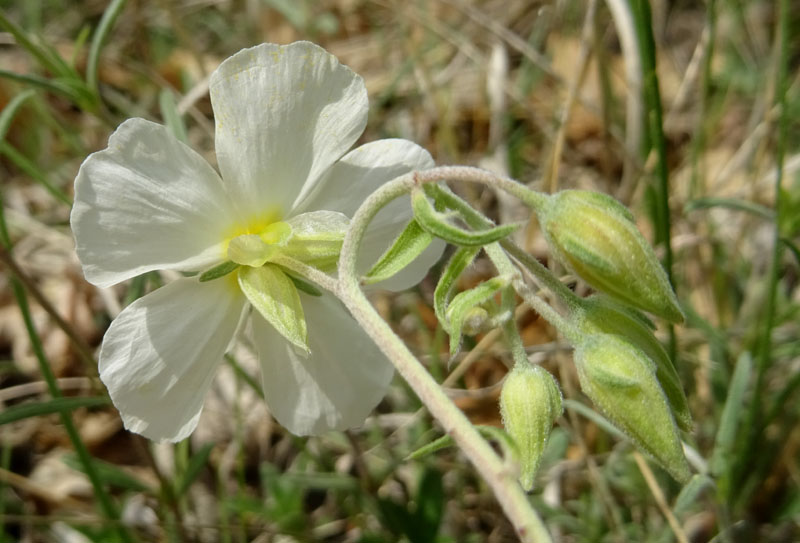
(56, 405)
(98, 40)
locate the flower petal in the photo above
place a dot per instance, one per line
(357, 175)
(283, 115)
(336, 386)
(159, 355)
(147, 202)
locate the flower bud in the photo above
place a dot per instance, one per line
(621, 380)
(529, 404)
(595, 236)
(601, 315)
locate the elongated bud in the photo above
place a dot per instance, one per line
(594, 235)
(529, 403)
(601, 315)
(621, 380)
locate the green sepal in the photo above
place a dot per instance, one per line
(275, 297)
(317, 238)
(220, 270)
(621, 380)
(411, 242)
(460, 260)
(304, 286)
(250, 250)
(459, 309)
(437, 224)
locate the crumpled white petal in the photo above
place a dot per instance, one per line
(160, 354)
(283, 115)
(336, 386)
(147, 202)
(357, 175)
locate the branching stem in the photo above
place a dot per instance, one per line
(503, 483)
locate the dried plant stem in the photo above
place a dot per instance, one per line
(658, 495)
(502, 481)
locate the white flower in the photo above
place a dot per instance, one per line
(285, 117)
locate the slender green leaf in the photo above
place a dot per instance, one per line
(595, 417)
(493, 433)
(463, 302)
(731, 414)
(730, 203)
(792, 247)
(52, 85)
(193, 469)
(48, 407)
(411, 242)
(437, 224)
(689, 493)
(10, 111)
(460, 260)
(169, 112)
(220, 270)
(44, 55)
(98, 40)
(304, 286)
(109, 473)
(32, 170)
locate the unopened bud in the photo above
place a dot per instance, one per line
(529, 403)
(595, 236)
(620, 379)
(601, 315)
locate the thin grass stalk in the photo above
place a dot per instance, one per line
(655, 131)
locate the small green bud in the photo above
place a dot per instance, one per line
(595, 236)
(602, 315)
(529, 404)
(621, 380)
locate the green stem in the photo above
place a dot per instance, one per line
(503, 483)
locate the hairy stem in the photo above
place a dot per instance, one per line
(503, 483)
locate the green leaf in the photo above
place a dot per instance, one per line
(32, 170)
(10, 110)
(691, 492)
(109, 473)
(430, 505)
(171, 116)
(730, 203)
(274, 295)
(52, 85)
(99, 39)
(411, 242)
(463, 302)
(220, 270)
(460, 260)
(46, 56)
(731, 413)
(494, 433)
(304, 286)
(436, 223)
(48, 407)
(194, 468)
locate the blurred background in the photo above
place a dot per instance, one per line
(704, 151)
